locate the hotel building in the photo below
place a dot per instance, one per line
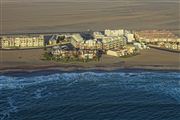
(21, 41)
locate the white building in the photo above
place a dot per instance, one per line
(92, 44)
(98, 35)
(76, 40)
(153, 36)
(128, 50)
(113, 53)
(114, 32)
(22, 41)
(130, 37)
(53, 40)
(113, 42)
(140, 45)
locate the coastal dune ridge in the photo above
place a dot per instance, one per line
(23, 16)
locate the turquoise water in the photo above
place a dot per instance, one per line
(90, 95)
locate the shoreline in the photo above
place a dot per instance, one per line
(69, 68)
(31, 61)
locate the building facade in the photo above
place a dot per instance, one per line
(53, 40)
(152, 36)
(22, 41)
(130, 37)
(91, 44)
(76, 40)
(114, 32)
(110, 43)
(128, 50)
(98, 35)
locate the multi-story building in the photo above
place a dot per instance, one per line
(76, 40)
(130, 37)
(91, 44)
(113, 42)
(98, 35)
(53, 40)
(114, 32)
(22, 41)
(128, 50)
(152, 36)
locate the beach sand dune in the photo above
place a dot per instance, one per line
(18, 16)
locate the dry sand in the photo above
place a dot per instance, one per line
(22, 16)
(148, 59)
(19, 16)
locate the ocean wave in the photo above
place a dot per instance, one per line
(38, 93)
(11, 108)
(7, 82)
(4, 115)
(166, 83)
(42, 92)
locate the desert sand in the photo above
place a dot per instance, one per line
(29, 16)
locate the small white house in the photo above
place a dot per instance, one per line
(112, 53)
(130, 37)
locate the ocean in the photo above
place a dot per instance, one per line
(90, 95)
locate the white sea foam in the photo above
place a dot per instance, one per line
(153, 81)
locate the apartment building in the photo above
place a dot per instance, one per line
(76, 40)
(22, 41)
(151, 36)
(114, 32)
(113, 42)
(98, 35)
(91, 44)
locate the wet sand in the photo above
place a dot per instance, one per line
(80, 15)
(30, 60)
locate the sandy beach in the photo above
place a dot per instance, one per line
(31, 60)
(29, 16)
